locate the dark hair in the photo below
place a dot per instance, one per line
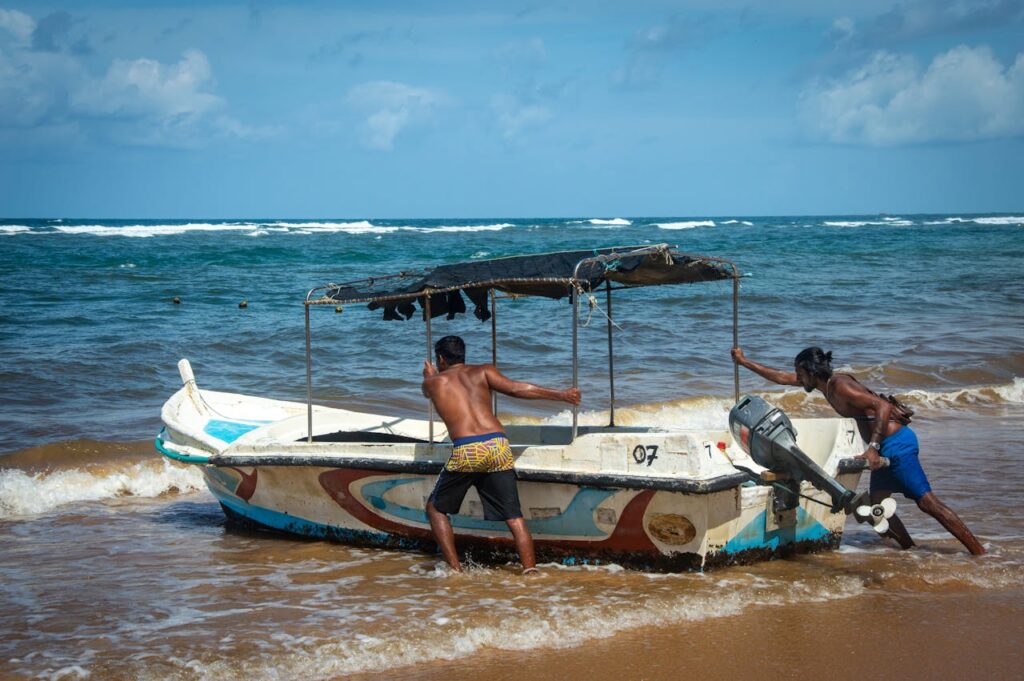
(815, 361)
(452, 349)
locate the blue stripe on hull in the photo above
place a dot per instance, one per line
(290, 523)
(754, 535)
(576, 521)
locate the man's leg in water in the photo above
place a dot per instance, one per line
(897, 530)
(442, 528)
(524, 542)
(931, 505)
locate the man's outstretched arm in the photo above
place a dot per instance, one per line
(773, 375)
(527, 391)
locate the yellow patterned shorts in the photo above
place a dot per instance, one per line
(488, 453)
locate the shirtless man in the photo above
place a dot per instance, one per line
(481, 456)
(884, 434)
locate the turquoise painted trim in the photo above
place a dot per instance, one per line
(229, 431)
(184, 458)
(226, 480)
(297, 525)
(754, 536)
(576, 521)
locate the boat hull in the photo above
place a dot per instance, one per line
(647, 529)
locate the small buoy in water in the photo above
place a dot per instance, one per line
(244, 304)
(176, 300)
(338, 309)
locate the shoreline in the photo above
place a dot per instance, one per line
(975, 635)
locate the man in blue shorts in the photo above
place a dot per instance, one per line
(481, 455)
(885, 432)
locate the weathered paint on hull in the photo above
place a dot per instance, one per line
(641, 529)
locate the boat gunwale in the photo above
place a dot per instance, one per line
(583, 479)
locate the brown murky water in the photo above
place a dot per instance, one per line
(116, 565)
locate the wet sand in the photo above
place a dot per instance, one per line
(905, 636)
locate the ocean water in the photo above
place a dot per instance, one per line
(117, 564)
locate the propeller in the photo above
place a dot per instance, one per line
(877, 514)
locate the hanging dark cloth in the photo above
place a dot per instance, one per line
(394, 311)
(479, 298)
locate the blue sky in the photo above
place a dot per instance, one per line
(472, 109)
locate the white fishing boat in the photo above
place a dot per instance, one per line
(655, 498)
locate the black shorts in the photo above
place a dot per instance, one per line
(497, 491)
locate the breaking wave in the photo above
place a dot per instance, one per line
(461, 228)
(893, 222)
(738, 222)
(623, 222)
(145, 231)
(713, 412)
(253, 228)
(546, 626)
(13, 229)
(690, 224)
(995, 220)
(45, 478)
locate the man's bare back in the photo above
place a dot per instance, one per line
(461, 393)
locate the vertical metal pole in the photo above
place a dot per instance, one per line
(494, 347)
(736, 330)
(430, 347)
(574, 293)
(309, 382)
(611, 357)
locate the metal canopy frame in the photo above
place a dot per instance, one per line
(575, 290)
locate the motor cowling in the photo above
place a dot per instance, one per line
(768, 436)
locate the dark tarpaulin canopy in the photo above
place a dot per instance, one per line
(550, 275)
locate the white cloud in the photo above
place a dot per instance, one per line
(144, 88)
(965, 94)
(915, 19)
(389, 108)
(18, 24)
(648, 48)
(515, 117)
(137, 101)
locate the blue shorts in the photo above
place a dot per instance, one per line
(904, 473)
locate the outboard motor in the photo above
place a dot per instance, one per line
(767, 435)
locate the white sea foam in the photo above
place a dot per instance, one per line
(1009, 393)
(685, 224)
(250, 228)
(892, 222)
(997, 220)
(738, 222)
(555, 624)
(358, 227)
(713, 412)
(460, 228)
(24, 494)
(13, 229)
(1000, 221)
(600, 221)
(145, 231)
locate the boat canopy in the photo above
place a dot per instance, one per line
(549, 275)
(577, 274)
